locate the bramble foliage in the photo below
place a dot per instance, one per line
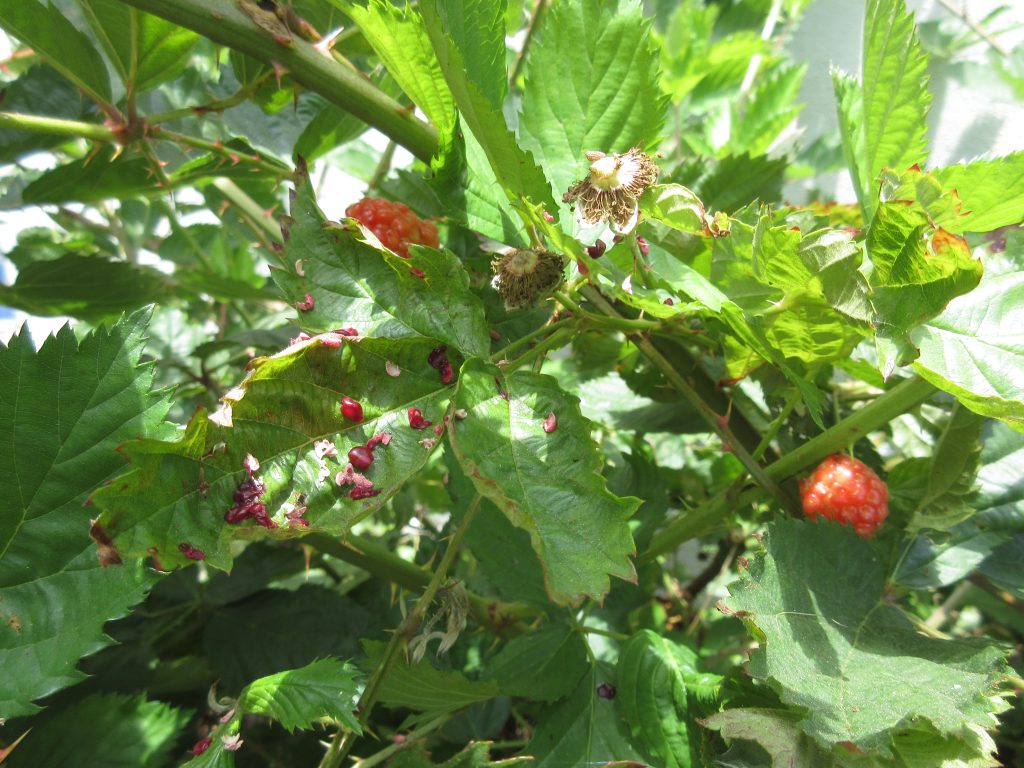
(284, 496)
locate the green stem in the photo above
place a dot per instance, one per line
(343, 739)
(555, 340)
(227, 24)
(714, 420)
(383, 166)
(198, 110)
(217, 148)
(776, 425)
(238, 198)
(52, 126)
(410, 739)
(898, 400)
(502, 354)
(881, 411)
(618, 322)
(385, 564)
(531, 31)
(603, 632)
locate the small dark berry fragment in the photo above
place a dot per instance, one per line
(351, 409)
(668, 302)
(597, 250)
(192, 553)
(437, 356)
(606, 691)
(360, 492)
(361, 457)
(202, 745)
(551, 423)
(446, 372)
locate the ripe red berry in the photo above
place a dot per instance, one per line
(394, 224)
(351, 409)
(848, 491)
(361, 457)
(192, 553)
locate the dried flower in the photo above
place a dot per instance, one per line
(524, 276)
(610, 191)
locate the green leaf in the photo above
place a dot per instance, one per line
(109, 731)
(476, 755)
(328, 624)
(400, 40)
(297, 697)
(544, 665)
(676, 207)
(991, 540)
(850, 104)
(953, 467)
(915, 274)
(731, 182)
(974, 349)
(652, 697)
(40, 91)
(94, 178)
(423, 687)
(883, 119)
(830, 642)
(545, 483)
(473, 197)
(777, 731)
(591, 83)
(89, 287)
(585, 728)
(895, 92)
(329, 129)
(991, 193)
(476, 29)
(356, 283)
(177, 492)
(146, 50)
(802, 299)
(503, 552)
(469, 42)
(769, 111)
(66, 408)
(685, 47)
(66, 49)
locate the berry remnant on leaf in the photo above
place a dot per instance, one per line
(848, 491)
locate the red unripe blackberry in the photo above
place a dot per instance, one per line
(394, 224)
(848, 491)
